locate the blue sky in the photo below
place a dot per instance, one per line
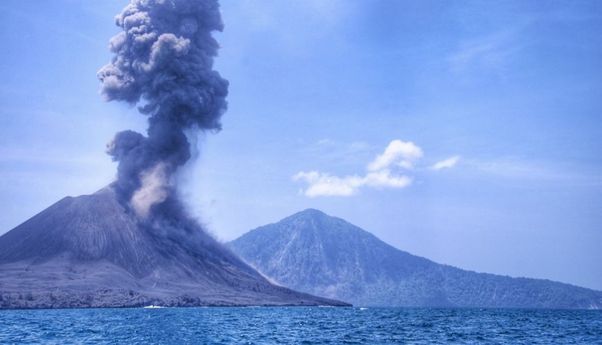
(513, 90)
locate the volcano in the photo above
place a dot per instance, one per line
(91, 251)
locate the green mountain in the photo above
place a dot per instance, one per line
(327, 256)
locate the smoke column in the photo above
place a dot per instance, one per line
(164, 64)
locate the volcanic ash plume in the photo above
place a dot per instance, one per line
(163, 63)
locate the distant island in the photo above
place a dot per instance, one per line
(327, 256)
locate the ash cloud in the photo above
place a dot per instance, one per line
(163, 63)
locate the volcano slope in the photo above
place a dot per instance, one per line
(90, 251)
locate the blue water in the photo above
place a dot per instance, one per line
(311, 325)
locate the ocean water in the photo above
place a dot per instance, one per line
(300, 325)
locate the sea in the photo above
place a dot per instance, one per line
(300, 325)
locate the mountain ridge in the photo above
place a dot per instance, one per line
(319, 254)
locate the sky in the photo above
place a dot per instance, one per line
(466, 132)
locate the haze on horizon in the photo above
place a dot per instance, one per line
(470, 135)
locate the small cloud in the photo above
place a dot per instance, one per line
(397, 155)
(400, 153)
(323, 184)
(384, 178)
(446, 163)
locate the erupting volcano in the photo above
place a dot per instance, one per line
(133, 243)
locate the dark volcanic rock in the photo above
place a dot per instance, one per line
(313, 252)
(89, 251)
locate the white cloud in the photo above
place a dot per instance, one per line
(384, 178)
(323, 184)
(446, 163)
(399, 153)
